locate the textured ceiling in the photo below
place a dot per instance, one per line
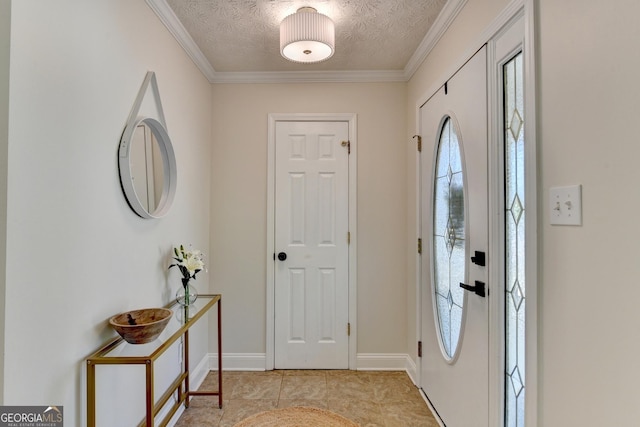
(243, 35)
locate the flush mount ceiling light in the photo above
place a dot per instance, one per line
(307, 36)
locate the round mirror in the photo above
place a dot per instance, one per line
(147, 168)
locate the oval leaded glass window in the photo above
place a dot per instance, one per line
(449, 248)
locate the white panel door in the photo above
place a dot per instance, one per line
(311, 248)
(454, 368)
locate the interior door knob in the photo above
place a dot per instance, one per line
(282, 256)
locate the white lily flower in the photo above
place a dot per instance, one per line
(189, 261)
(192, 264)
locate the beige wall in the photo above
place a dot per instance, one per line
(76, 253)
(589, 99)
(5, 37)
(238, 229)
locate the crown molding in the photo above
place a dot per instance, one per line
(175, 27)
(446, 17)
(309, 76)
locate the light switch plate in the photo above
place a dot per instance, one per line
(565, 205)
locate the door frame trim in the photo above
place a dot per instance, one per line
(273, 118)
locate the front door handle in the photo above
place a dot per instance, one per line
(282, 256)
(478, 289)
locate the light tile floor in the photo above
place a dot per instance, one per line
(372, 399)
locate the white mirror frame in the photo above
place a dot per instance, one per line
(158, 128)
(168, 167)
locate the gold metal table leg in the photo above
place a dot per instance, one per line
(186, 367)
(220, 353)
(91, 394)
(149, 394)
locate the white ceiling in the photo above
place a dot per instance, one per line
(239, 39)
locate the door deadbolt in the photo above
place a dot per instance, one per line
(479, 258)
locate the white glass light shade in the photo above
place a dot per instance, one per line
(307, 36)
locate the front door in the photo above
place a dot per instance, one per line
(311, 245)
(454, 368)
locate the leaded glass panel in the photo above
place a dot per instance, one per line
(449, 249)
(515, 300)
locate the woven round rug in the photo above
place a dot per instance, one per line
(296, 416)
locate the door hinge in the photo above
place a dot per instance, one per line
(419, 348)
(419, 142)
(348, 329)
(348, 237)
(419, 245)
(348, 145)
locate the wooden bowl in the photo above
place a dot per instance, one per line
(141, 326)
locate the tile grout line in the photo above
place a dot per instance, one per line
(326, 391)
(280, 392)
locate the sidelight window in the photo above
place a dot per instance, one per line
(514, 242)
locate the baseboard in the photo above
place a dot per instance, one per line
(364, 362)
(381, 362)
(412, 370)
(239, 361)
